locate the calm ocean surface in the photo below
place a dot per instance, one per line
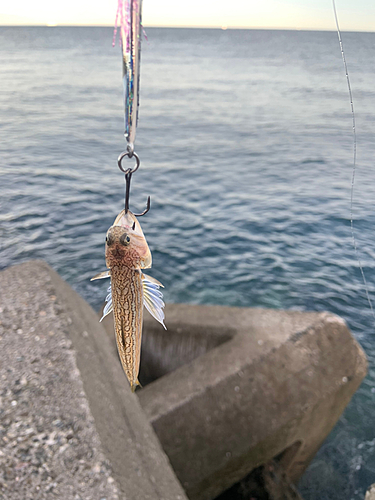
(246, 146)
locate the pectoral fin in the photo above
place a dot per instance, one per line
(152, 298)
(152, 280)
(109, 306)
(104, 274)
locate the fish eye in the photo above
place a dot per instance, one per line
(125, 239)
(109, 239)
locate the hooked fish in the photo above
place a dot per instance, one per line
(126, 253)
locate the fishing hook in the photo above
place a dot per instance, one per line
(128, 175)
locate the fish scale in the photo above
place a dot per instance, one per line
(127, 297)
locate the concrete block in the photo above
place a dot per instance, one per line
(70, 427)
(265, 384)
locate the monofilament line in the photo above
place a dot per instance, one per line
(354, 159)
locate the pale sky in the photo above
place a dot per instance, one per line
(355, 15)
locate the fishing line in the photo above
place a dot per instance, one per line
(354, 159)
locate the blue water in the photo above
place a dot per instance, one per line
(246, 146)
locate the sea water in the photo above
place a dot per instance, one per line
(246, 146)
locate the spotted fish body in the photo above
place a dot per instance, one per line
(126, 254)
(127, 298)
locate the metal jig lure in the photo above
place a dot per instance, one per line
(130, 14)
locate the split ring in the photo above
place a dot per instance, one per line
(128, 170)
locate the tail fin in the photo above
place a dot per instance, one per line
(134, 386)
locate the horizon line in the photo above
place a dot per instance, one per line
(223, 27)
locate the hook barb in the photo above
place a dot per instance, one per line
(148, 206)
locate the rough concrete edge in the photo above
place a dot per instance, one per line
(360, 370)
(49, 443)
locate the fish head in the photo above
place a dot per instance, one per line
(126, 244)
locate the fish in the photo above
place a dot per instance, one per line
(126, 254)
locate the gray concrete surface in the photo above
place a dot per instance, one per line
(70, 428)
(275, 386)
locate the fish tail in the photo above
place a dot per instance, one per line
(134, 386)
